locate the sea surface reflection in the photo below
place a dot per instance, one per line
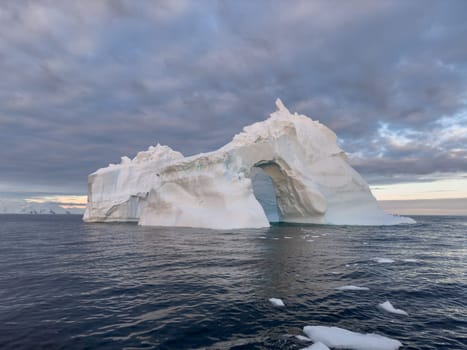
(66, 284)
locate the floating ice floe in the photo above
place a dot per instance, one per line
(339, 338)
(276, 302)
(387, 306)
(287, 237)
(352, 288)
(409, 260)
(384, 260)
(303, 338)
(317, 346)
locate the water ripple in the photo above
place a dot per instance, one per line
(69, 285)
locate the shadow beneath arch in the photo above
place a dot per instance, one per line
(263, 189)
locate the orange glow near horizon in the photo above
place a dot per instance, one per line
(67, 202)
(410, 191)
(438, 189)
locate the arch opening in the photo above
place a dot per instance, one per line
(265, 193)
(277, 192)
(294, 202)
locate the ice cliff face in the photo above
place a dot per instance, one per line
(312, 179)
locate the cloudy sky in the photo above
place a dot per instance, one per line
(85, 82)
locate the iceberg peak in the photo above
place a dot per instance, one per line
(312, 179)
(280, 106)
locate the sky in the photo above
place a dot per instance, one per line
(86, 82)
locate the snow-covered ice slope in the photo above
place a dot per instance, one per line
(312, 179)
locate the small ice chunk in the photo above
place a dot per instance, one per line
(352, 288)
(384, 260)
(387, 306)
(287, 237)
(410, 260)
(303, 338)
(276, 302)
(317, 346)
(339, 338)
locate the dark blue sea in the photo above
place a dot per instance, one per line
(65, 284)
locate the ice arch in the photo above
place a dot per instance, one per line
(312, 179)
(294, 201)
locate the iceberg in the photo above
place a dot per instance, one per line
(312, 178)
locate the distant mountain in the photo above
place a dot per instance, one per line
(19, 206)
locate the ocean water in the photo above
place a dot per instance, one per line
(69, 285)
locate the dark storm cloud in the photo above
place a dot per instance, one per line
(85, 82)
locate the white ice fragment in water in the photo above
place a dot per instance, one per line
(410, 260)
(339, 338)
(287, 237)
(303, 338)
(276, 302)
(352, 288)
(387, 306)
(317, 346)
(384, 260)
